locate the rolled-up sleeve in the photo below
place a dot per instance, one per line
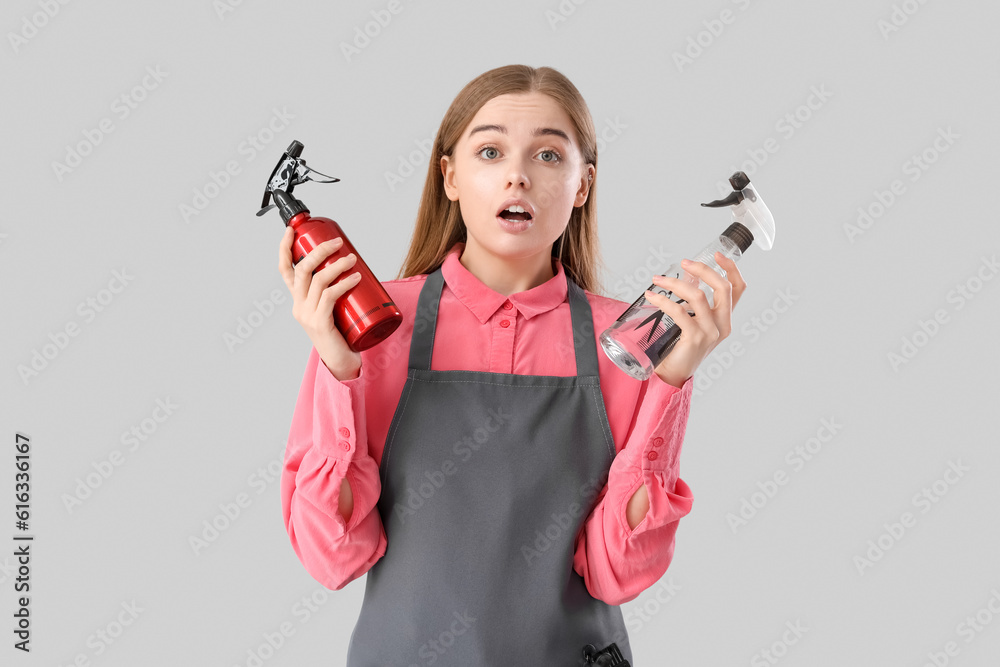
(617, 562)
(327, 443)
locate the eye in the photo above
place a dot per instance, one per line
(496, 153)
(555, 156)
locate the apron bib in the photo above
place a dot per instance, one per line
(487, 479)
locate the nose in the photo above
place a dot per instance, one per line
(518, 173)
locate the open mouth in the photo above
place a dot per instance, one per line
(515, 213)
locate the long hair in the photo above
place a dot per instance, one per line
(439, 223)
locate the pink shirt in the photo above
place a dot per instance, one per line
(339, 429)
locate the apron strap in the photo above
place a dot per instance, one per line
(422, 342)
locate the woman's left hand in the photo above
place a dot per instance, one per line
(709, 326)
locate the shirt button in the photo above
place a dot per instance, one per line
(652, 456)
(505, 323)
(507, 305)
(657, 441)
(346, 446)
(345, 432)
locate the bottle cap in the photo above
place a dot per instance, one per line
(288, 206)
(740, 235)
(749, 210)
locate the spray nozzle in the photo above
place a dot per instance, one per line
(749, 210)
(290, 171)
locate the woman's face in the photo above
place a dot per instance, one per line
(524, 147)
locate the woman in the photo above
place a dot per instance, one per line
(524, 485)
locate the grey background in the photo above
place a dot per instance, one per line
(682, 131)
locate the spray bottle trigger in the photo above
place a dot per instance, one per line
(290, 171)
(734, 197)
(304, 173)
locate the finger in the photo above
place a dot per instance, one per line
(328, 297)
(323, 279)
(285, 258)
(690, 326)
(694, 297)
(722, 289)
(733, 275)
(721, 311)
(713, 323)
(328, 274)
(304, 269)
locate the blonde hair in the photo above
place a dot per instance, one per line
(439, 223)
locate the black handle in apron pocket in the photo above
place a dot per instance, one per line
(609, 656)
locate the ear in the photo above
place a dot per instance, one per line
(448, 172)
(585, 182)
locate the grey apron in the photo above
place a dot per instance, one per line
(487, 479)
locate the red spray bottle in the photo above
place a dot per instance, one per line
(364, 315)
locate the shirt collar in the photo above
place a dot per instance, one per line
(483, 301)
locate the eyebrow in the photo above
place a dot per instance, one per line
(540, 131)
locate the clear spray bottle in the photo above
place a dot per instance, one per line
(644, 335)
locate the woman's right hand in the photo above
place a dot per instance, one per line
(313, 299)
